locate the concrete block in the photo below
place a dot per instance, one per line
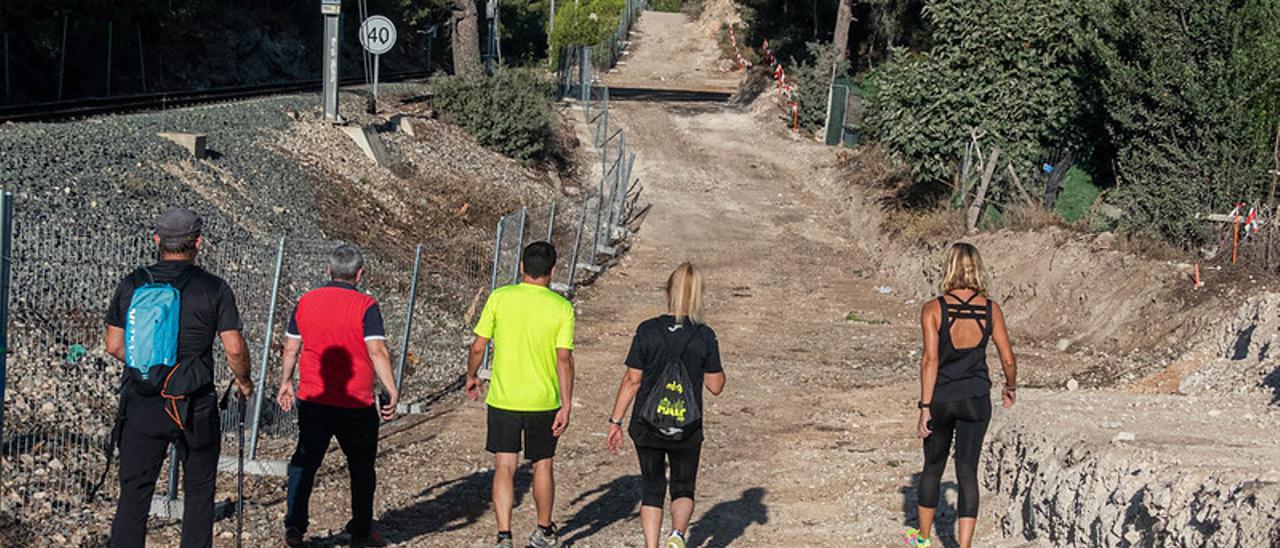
(272, 468)
(164, 508)
(404, 124)
(368, 141)
(193, 142)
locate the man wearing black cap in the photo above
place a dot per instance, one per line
(180, 405)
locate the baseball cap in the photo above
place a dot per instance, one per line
(177, 222)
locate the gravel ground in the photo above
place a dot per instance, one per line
(86, 192)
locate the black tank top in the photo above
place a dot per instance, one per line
(962, 372)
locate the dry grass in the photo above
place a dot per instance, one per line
(1030, 218)
(929, 228)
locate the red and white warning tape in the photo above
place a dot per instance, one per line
(785, 89)
(733, 40)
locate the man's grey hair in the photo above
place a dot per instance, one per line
(345, 262)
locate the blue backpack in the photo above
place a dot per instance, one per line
(151, 336)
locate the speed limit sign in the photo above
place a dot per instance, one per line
(377, 35)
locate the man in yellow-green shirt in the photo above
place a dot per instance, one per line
(530, 388)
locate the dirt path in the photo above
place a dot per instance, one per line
(677, 54)
(809, 445)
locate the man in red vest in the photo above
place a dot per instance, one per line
(337, 341)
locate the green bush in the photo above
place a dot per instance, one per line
(668, 5)
(1187, 90)
(812, 80)
(1004, 68)
(1077, 195)
(587, 23)
(508, 112)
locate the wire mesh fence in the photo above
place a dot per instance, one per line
(61, 387)
(587, 233)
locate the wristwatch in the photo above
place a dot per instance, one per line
(921, 405)
(615, 422)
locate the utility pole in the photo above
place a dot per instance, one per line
(332, 11)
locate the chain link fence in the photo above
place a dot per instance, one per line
(60, 387)
(591, 232)
(59, 392)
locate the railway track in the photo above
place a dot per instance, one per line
(80, 108)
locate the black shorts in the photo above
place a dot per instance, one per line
(506, 427)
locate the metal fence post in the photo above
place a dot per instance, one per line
(551, 222)
(577, 244)
(8, 91)
(584, 71)
(6, 257)
(142, 61)
(266, 353)
(515, 270)
(408, 321)
(62, 62)
(595, 244)
(493, 281)
(110, 36)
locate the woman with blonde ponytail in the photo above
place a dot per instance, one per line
(673, 356)
(955, 388)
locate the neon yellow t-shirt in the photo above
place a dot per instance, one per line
(526, 323)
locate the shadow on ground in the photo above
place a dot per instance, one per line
(727, 521)
(944, 519)
(612, 502)
(448, 506)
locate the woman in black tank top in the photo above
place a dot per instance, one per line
(955, 388)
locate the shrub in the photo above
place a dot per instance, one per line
(812, 79)
(586, 23)
(1005, 68)
(1188, 92)
(508, 112)
(668, 5)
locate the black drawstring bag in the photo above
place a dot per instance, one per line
(671, 411)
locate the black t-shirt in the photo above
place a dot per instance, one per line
(656, 339)
(208, 308)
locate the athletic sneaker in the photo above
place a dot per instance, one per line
(676, 540)
(294, 538)
(540, 539)
(913, 539)
(504, 542)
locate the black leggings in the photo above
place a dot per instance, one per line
(653, 470)
(966, 420)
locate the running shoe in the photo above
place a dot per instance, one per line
(540, 539)
(913, 539)
(676, 540)
(504, 542)
(294, 538)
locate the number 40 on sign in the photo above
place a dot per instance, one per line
(378, 36)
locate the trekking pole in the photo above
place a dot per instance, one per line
(242, 406)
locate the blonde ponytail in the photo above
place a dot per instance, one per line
(684, 293)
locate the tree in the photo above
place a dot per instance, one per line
(844, 20)
(465, 36)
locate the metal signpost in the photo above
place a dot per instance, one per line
(332, 10)
(491, 45)
(378, 36)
